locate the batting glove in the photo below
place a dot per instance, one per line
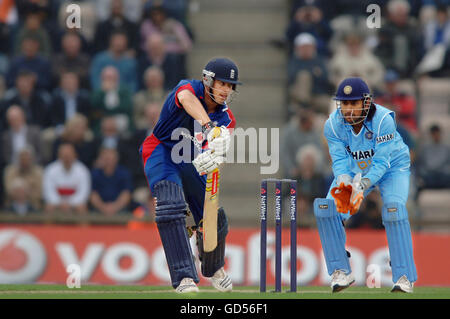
(220, 144)
(207, 162)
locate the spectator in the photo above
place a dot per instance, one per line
(398, 39)
(177, 9)
(173, 32)
(308, 75)
(436, 44)
(69, 100)
(153, 93)
(116, 56)
(309, 18)
(297, 133)
(111, 184)
(433, 162)
(33, 101)
(309, 161)
(438, 30)
(32, 28)
(176, 38)
(19, 136)
(4, 61)
(66, 183)
(401, 102)
(354, 59)
(20, 200)
(30, 173)
(116, 22)
(8, 21)
(112, 100)
(77, 133)
(71, 59)
(156, 55)
(30, 59)
(111, 138)
(132, 9)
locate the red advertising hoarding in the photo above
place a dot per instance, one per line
(119, 255)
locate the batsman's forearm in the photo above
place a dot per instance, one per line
(193, 107)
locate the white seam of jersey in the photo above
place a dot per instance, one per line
(332, 128)
(379, 126)
(356, 135)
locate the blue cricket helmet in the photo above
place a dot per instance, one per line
(222, 69)
(352, 89)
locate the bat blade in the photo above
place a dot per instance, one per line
(211, 205)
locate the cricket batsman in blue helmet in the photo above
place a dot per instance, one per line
(196, 107)
(366, 152)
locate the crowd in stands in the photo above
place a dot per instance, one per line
(330, 40)
(77, 102)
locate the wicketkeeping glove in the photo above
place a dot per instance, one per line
(342, 193)
(207, 162)
(359, 185)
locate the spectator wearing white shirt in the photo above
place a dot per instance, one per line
(66, 183)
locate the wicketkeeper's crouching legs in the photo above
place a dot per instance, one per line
(398, 233)
(332, 236)
(171, 212)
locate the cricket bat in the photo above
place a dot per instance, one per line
(210, 208)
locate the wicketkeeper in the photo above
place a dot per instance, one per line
(177, 185)
(367, 151)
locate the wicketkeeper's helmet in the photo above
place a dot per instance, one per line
(354, 89)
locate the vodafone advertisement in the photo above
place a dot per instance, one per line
(119, 255)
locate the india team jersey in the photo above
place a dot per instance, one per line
(375, 150)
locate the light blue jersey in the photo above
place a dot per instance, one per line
(379, 154)
(377, 149)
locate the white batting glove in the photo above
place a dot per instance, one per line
(220, 144)
(207, 162)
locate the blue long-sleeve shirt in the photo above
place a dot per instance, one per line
(375, 150)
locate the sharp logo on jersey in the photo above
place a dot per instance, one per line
(385, 138)
(359, 155)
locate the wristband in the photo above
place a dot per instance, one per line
(206, 127)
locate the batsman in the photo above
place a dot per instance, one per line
(177, 185)
(366, 152)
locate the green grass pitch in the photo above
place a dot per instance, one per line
(41, 291)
